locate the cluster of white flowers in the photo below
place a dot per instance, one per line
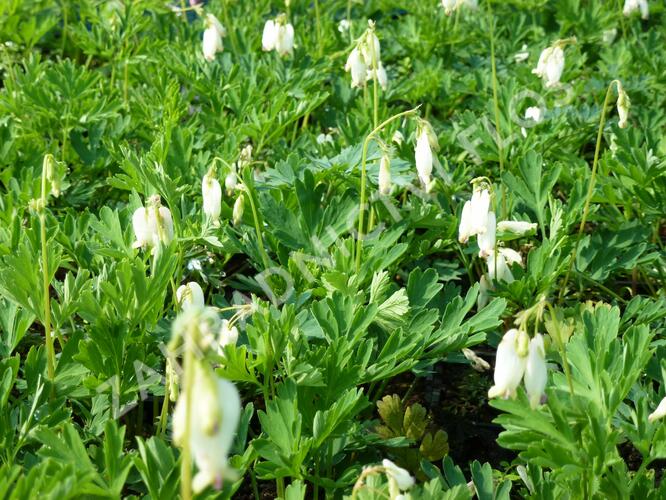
(152, 225)
(450, 6)
(520, 359)
(631, 6)
(364, 61)
(278, 35)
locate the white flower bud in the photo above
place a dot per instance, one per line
(660, 412)
(230, 182)
(228, 336)
(382, 76)
(239, 208)
(284, 41)
(474, 217)
(212, 37)
(384, 179)
(152, 225)
(269, 36)
(523, 55)
(631, 6)
(498, 268)
(144, 227)
(344, 25)
(164, 224)
(483, 297)
(536, 372)
(398, 138)
(401, 476)
(510, 363)
(423, 158)
(211, 192)
(356, 66)
(550, 65)
(623, 104)
(486, 239)
(190, 295)
(516, 227)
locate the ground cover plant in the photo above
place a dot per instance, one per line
(332, 249)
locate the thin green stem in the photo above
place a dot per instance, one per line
(320, 49)
(188, 382)
(257, 228)
(493, 65)
(64, 26)
(375, 87)
(364, 157)
(50, 352)
(227, 22)
(590, 189)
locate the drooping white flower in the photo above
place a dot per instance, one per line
(344, 25)
(533, 113)
(215, 413)
(382, 76)
(324, 139)
(402, 477)
(510, 363)
(660, 412)
(498, 266)
(228, 336)
(239, 208)
(384, 179)
(623, 104)
(190, 295)
(631, 6)
(516, 227)
(486, 240)
(398, 138)
(536, 372)
(212, 37)
(423, 158)
(230, 182)
(269, 36)
(357, 67)
(284, 41)
(211, 191)
(474, 217)
(522, 55)
(550, 65)
(370, 46)
(152, 225)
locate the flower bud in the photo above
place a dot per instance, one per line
(230, 182)
(516, 228)
(211, 191)
(474, 217)
(357, 68)
(228, 336)
(623, 104)
(423, 158)
(536, 372)
(398, 138)
(212, 37)
(384, 179)
(660, 412)
(486, 240)
(631, 6)
(402, 477)
(239, 207)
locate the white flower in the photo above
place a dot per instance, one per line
(212, 37)
(631, 6)
(623, 104)
(370, 47)
(228, 336)
(401, 476)
(516, 227)
(357, 67)
(474, 217)
(510, 363)
(483, 297)
(498, 269)
(382, 77)
(284, 41)
(423, 158)
(523, 55)
(660, 412)
(550, 65)
(211, 191)
(269, 36)
(451, 6)
(486, 240)
(536, 372)
(215, 413)
(324, 138)
(344, 25)
(608, 36)
(239, 208)
(384, 179)
(152, 225)
(190, 295)
(398, 138)
(533, 113)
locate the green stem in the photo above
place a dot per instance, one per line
(257, 228)
(50, 352)
(165, 406)
(500, 148)
(375, 86)
(590, 189)
(320, 50)
(188, 382)
(227, 22)
(64, 26)
(364, 156)
(562, 348)
(349, 21)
